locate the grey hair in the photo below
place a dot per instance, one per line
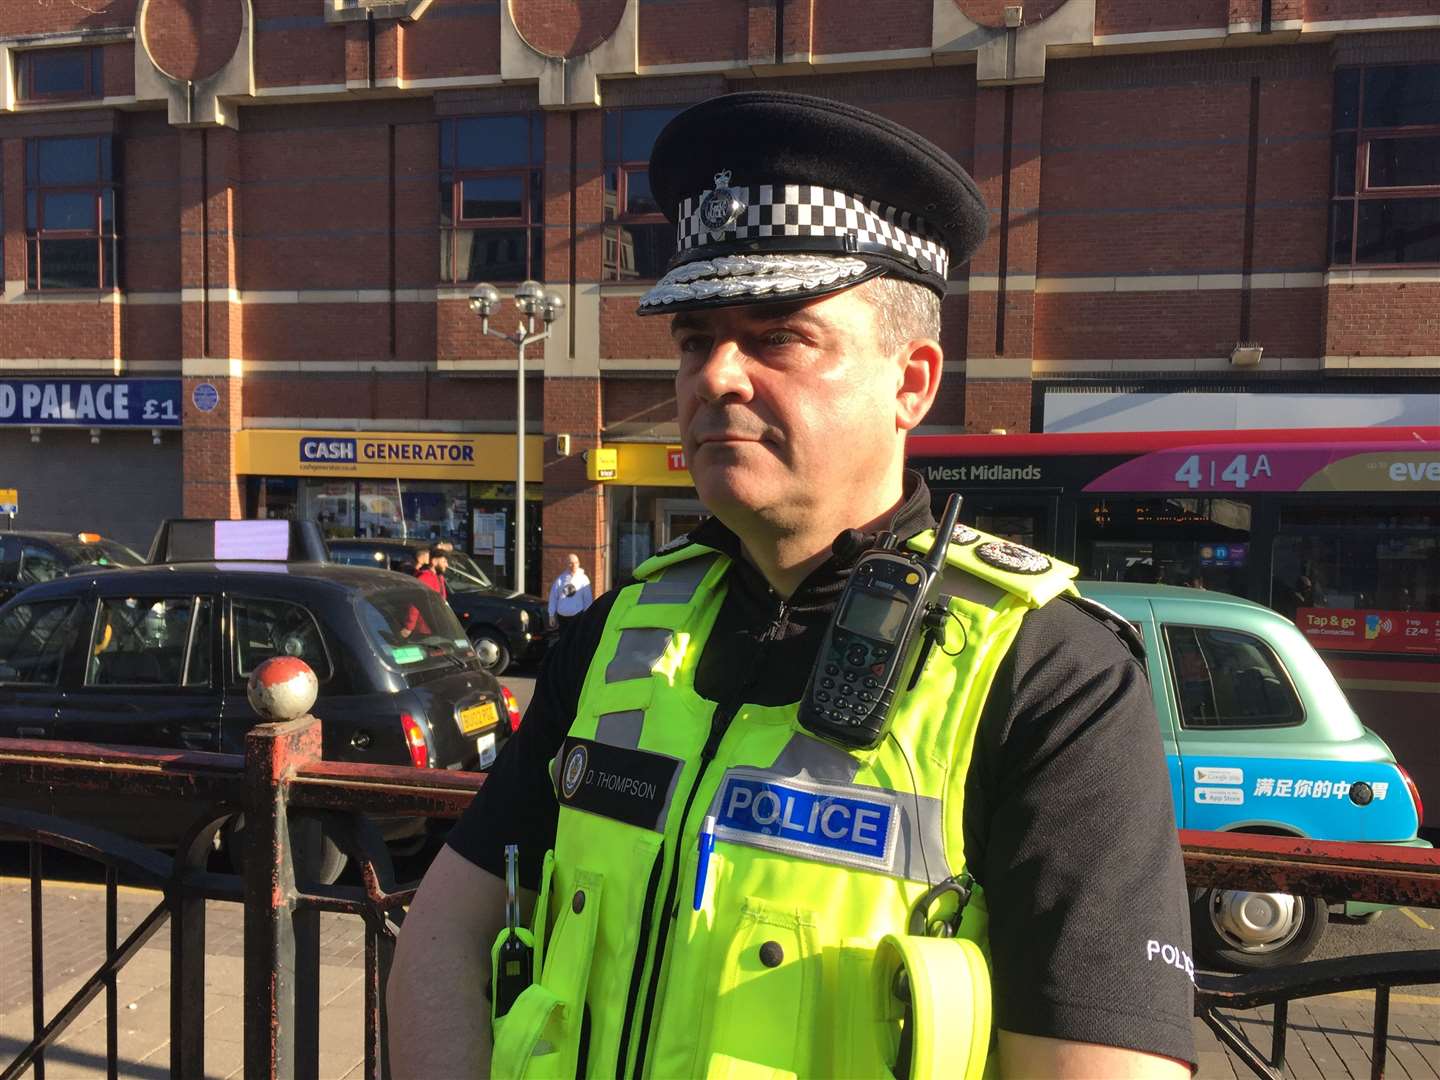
(903, 310)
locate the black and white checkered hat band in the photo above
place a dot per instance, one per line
(806, 210)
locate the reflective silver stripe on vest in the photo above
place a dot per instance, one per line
(812, 759)
(621, 729)
(967, 586)
(849, 825)
(637, 652)
(677, 584)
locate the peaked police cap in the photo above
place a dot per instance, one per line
(779, 196)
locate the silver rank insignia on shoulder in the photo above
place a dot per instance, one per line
(1016, 558)
(674, 545)
(721, 208)
(963, 535)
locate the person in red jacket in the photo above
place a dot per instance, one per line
(431, 575)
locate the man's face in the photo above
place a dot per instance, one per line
(439, 563)
(574, 563)
(784, 405)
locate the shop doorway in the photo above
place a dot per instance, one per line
(676, 517)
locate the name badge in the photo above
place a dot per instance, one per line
(633, 786)
(808, 822)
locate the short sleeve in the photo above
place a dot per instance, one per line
(517, 803)
(1070, 830)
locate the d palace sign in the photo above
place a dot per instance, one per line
(108, 403)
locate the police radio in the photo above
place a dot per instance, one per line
(885, 623)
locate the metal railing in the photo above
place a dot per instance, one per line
(1377, 873)
(282, 779)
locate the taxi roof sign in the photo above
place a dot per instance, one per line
(254, 540)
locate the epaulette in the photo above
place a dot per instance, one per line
(1014, 568)
(676, 551)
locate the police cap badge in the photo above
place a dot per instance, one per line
(780, 196)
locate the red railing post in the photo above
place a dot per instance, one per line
(281, 941)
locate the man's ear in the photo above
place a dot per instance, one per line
(920, 361)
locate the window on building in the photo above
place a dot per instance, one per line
(151, 641)
(70, 213)
(57, 74)
(491, 202)
(1385, 166)
(34, 639)
(1225, 678)
(638, 241)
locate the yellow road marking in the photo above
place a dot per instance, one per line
(1369, 995)
(1416, 919)
(90, 886)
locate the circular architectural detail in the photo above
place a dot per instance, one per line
(191, 40)
(282, 688)
(992, 12)
(1015, 558)
(566, 30)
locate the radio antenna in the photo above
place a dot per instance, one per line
(935, 558)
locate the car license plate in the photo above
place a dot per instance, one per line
(486, 745)
(478, 716)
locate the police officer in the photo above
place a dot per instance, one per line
(722, 891)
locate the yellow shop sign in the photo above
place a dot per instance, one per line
(404, 455)
(641, 464)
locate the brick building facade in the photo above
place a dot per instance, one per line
(286, 203)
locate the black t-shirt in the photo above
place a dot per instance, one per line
(1068, 821)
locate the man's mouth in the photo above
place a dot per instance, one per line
(729, 438)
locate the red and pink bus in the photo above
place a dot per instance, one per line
(1339, 529)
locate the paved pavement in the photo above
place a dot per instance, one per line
(74, 938)
(1329, 1036)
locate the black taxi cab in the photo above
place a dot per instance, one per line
(31, 557)
(505, 627)
(159, 656)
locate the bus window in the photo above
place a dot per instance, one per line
(1373, 571)
(1199, 543)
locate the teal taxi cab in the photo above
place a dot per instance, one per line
(1260, 738)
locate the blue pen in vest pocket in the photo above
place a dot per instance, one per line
(702, 864)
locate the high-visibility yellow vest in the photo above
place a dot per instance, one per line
(787, 967)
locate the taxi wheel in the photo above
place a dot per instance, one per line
(318, 859)
(492, 649)
(1251, 931)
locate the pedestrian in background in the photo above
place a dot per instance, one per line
(432, 572)
(570, 593)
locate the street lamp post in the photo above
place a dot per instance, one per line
(532, 299)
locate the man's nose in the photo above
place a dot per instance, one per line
(724, 374)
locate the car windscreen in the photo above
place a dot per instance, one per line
(413, 627)
(464, 573)
(99, 553)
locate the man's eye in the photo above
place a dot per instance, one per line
(776, 338)
(694, 344)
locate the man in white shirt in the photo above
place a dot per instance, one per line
(570, 594)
